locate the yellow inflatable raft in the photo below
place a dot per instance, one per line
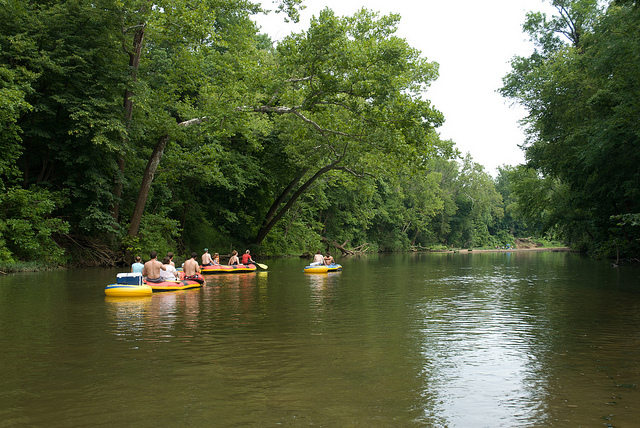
(127, 290)
(322, 268)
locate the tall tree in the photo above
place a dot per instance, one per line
(582, 100)
(203, 41)
(66, 138)
(347, 96)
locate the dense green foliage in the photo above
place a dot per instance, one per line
(581, 88)
(131, 125)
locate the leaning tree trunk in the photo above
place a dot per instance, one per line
(145, 186)
(266, 228)
(149, 172)
(280, 200)
(134, 63)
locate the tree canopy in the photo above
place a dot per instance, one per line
(138, 125)
(580, 87)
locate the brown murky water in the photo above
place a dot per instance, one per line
(436, 340)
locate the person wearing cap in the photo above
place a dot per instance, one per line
(206, 258)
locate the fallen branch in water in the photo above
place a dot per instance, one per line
(345, 251)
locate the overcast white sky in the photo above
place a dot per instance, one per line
(473, 42)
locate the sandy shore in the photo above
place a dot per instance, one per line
(512, 250)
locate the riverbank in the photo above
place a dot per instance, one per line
(513, 250)
(9, 268)
(6, 268)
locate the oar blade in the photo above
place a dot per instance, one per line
(262, 265)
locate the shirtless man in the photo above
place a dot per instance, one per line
(328, 259)
(318, 259)
(206, 258)
(191, 269)
(152, 268)
(191, 266)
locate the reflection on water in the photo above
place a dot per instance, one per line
(472, 343)
(128, 315)
(442, 340)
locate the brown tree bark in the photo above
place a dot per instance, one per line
(280, 200)
(134, 63)
(268, 224)
(149, 173)
(145, 186)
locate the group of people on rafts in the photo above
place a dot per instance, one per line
(157, 271)
(319, 259)
(207, 260)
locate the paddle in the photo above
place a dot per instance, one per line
(262, 265)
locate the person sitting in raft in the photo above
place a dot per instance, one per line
(170, 255)
(152, 268)
(216, 259)
(137, 266)
(233, 260)
(318, 259)
(170, 273)
(328, 260)
(246, 258)
(191, 269)
(206, 258)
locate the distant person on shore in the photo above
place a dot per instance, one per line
(206, 258)
(152, 268)
(137, 266)
(328, 259)
(246, 258)
(170, 273)
(233, 260)
(318, 259)
(191, 269)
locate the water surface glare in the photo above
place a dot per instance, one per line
(435, 340)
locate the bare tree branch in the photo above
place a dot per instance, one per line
(196, 121)
(296, 112)
(302, 79)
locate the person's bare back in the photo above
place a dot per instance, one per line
(153, 267)
(191, 266)
(206, 258)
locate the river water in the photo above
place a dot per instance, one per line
(434, 340)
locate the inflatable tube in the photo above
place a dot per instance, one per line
(182, 284)
(126, 290)
(217, 269)
(323, 268)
